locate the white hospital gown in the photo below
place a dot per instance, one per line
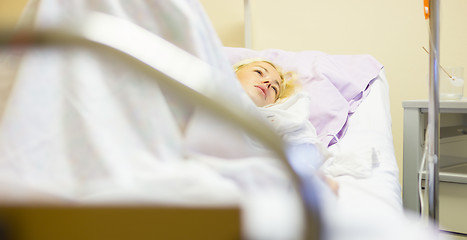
(290, 119)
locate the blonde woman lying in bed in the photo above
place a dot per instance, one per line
(276, 94)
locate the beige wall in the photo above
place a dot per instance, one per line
(393, 31)
(227, 18)
(10, 10)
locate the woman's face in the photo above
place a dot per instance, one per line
(261, 81)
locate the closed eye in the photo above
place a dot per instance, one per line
(259, 72)
(276, 87)
(275, 90)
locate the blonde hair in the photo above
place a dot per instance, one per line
(289, 83)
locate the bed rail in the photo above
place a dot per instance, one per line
(109, 34)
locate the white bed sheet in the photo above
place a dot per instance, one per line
(369, 204)
(368, 146)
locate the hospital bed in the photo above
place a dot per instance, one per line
(52, 126)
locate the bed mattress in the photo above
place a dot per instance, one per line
(369, 204)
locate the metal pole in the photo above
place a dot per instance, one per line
(433, 114)
(247, 24)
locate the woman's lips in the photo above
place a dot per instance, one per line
(262, 89)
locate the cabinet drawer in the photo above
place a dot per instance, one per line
(452, 207)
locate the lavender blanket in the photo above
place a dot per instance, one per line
(336, 83)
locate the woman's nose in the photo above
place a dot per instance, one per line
(268, 84)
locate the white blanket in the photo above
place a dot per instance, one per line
(82, 126)
(290, 119)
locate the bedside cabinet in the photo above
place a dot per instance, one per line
(452, 160)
